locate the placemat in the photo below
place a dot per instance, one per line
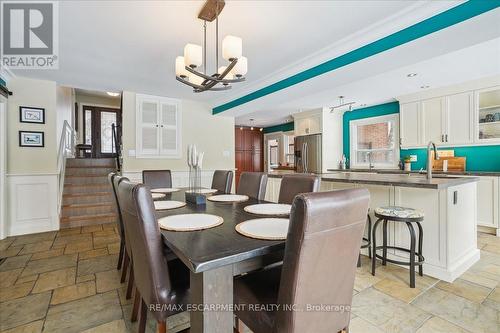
(228, 198)
(189, 222)
(273, 209)
(168, 204)
(164, 190)
(265, 228)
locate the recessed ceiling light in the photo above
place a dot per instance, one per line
(411, 74)
(362, 104)
(261, 129)
(113, 94)
(424, 87)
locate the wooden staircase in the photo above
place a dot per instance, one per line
(87, 197)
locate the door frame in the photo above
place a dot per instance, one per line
(96, 109)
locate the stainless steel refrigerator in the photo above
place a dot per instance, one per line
(308, 153)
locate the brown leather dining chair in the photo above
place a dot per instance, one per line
(318, 268)
(157, 178)
(253, 184)
(222, 181)
(125, 256)
(291, 185)
(160, 283)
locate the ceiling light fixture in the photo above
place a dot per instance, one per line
(411, 75)
(113, 94)
(342, 105)
(195, 56)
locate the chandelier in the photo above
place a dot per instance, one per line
(195, 56)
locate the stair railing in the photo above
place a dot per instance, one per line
(67, 143)
(116, 144)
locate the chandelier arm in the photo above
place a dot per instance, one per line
(188, 83)
(222, 75)
(212, 89)
(213, 78)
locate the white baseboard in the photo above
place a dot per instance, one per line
(32, 204)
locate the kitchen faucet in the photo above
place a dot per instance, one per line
(429, 160)
(370, 161)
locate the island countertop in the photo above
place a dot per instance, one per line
(404, 180)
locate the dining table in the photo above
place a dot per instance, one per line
(215, 256)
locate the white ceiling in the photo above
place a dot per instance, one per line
(132, 45)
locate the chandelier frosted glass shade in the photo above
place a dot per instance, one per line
(193, 55)
(193, 78)
(241, 67)
(229, 75)
(232, 47)
(180, 67)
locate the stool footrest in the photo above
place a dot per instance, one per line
(365, 243)
(406, 263)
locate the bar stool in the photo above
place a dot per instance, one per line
(408, 216)
(366, 242)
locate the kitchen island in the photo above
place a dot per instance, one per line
(449, 205)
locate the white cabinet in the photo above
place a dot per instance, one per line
(310, 124)
(409, 120)
(442, 120)
(158, 127)
(458, 118)
(433, 119)
(488, 202)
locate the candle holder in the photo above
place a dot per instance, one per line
(195, 162)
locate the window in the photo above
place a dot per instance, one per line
(374, 141)
(158, 127)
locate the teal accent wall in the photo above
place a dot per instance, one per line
(280, 128)
(478, 158)
(2, 82)
(369, 112)
(435, 23)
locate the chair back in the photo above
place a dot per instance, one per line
(291, 185)
(157, 178)
(114, 179)
(253, 184)
(151, 272)
(320, 259)
(222, 181)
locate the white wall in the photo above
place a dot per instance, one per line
(3, 165)
(332, 139)
(212, 134)
(65, 103)
(32, 172)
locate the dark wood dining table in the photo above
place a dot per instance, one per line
(214, 256)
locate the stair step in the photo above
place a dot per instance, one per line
(86, 188)
(91, 162)
(85, 170)
(95, 197)
(85, 179)
(87, 209)
(85, 220)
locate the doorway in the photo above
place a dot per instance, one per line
(97, 130)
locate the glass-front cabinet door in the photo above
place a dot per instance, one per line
(488, 115)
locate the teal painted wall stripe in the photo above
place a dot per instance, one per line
(280, 128)
(2, 82)
(438, 22)
(372, 111)
(478, 158)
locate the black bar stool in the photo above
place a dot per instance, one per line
(366, 242)
(408, 216)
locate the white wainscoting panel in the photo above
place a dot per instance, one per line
(32, 204)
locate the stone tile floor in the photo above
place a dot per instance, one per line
(67, 281)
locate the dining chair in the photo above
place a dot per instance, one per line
(291, 185)
(318, 268)
(127, 252)
(222, 181)
(162, 285)
(157, 178)
(253, 184)
(121, 229)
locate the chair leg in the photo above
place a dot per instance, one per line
(130, 283)
(120, 256)
(161, 327)
(384, 243)
(420, 242)
(374, 245)
(369, 235)
(412, 255)
(359, 260)
(126, 260)
(143, 318)
(239, 326)
(137, 302)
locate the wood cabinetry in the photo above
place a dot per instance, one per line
(249, 151)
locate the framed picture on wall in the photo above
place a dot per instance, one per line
(31, 139)
(31, 115)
